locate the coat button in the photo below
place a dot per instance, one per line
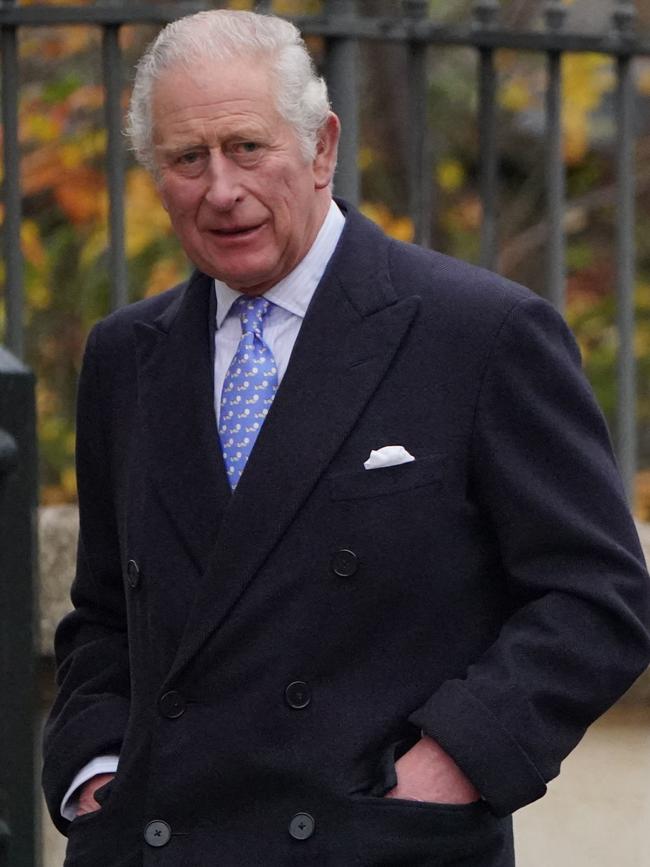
(302, 826)
(133, 574)
(298, 695)
(171, 704)
(345, 563)
(157, 833)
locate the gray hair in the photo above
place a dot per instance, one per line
(300, 94)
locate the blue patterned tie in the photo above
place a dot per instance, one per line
(248, 389)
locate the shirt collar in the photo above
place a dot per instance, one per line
(294, 292)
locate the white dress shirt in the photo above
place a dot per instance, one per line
(290, 297)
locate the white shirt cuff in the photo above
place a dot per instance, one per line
(99, 765)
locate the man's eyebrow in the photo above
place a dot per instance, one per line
(181, 147)
(244, 133)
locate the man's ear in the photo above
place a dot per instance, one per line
(326, 151)
(157, 179)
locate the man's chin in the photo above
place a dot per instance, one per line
(249, 281)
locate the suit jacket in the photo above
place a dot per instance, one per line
(260, 659)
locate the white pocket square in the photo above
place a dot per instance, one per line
(388, 456)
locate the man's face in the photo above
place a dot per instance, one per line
(243, 201)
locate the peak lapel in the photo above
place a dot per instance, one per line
(351, 332)
(176, 394)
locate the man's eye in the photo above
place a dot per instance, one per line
(189, 158)
(245, 151)
(190, 163)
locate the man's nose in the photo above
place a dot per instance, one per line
(224, 189)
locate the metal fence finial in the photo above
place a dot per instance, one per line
(555, 13)
(8, 454)
(624, 17)
(485, 14)
(343, 8)
(415, 8)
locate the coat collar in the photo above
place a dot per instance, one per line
(353, 327)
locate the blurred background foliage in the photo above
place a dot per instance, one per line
(64, 233)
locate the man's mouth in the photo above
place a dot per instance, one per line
(236, 231)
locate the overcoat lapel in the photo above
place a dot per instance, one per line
(351, 332)
(175, 382)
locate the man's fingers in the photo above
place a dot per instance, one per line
(427, 773)
(87, 803)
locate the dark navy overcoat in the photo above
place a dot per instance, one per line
(260, 659)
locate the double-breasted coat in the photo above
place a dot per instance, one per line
(260, 659)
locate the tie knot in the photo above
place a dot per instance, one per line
(251, 313)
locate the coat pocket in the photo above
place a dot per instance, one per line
(394, 831)
(390, 832)
(387, 480)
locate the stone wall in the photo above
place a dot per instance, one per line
(58, 529)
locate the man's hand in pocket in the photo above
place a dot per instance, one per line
(427, 773)
(87, 802)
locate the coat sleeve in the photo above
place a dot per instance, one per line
(544, 474)
(91, 711)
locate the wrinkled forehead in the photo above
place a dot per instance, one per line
(213, 82)
(215, 91)
(229, 73)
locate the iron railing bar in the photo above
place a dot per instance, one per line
(488, 157)
(343, 83)
(340, 26)
(625, 270)
(566, 42)
(419, 166)
(102, 15)
(555, 185)
(112, 75)
(14, 280)
(399, 30)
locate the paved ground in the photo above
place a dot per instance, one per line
(597, 813)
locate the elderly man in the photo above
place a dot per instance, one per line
(355, 566)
